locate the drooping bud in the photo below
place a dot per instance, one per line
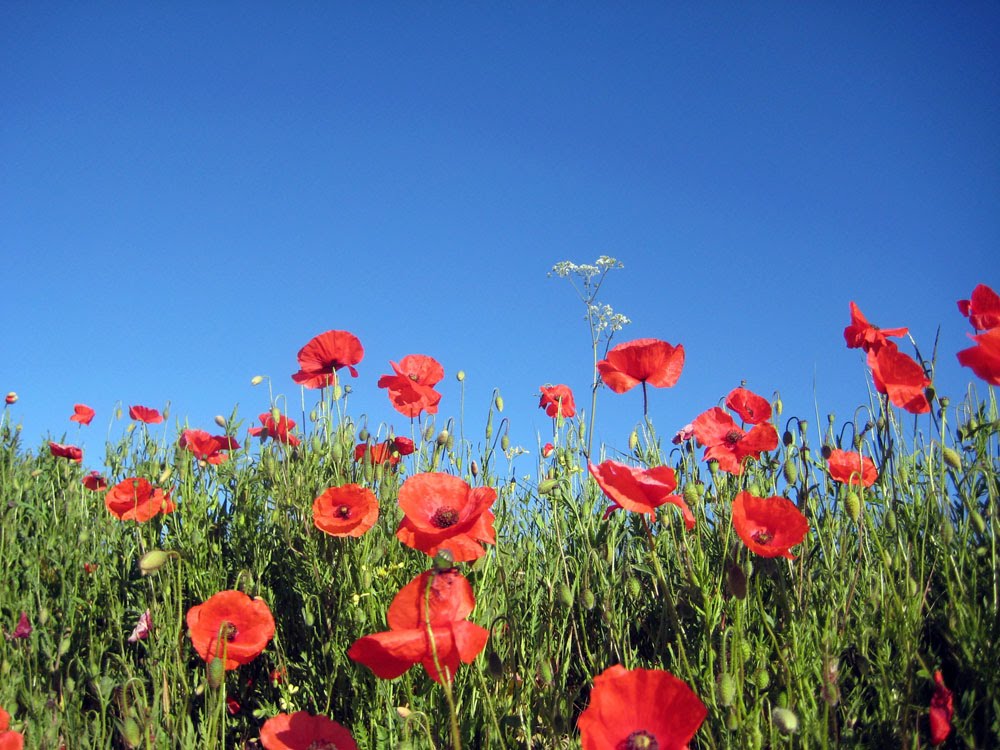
(633, 587)
(790, 470)
(275, 414)
(565, 595)
(633, 441)
(442, 437)
(460, 376)
(588, 600)
(785, 720)
(498, 402)
(546, 486)
(952, 458)
(853, 505)
(256, 380)
(474, 468)
(727, 689)
(363, 435)
(505, 442)
(216, 673)
(153, 560)
(131, 732)
(494, 664)
(220, 420)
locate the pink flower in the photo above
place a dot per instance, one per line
(684, 433)
(23, 628)
(142, 627)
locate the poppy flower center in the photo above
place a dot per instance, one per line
(322, 745)
(733, 437)
(343, 511)
(229, 631)
(445, 517)
(640, 740)
(413, 377)
(762, 536)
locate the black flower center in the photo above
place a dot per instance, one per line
(762, 536)
(639, 740)
(322, 745)
(445, 517)
(229, 631)
(733, 437)
(342, 511)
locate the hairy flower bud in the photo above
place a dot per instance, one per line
(853, 505)
(952, 458)
(785, 720)
(460, 376)
(152, 561)
(256, 380)
(216, 673)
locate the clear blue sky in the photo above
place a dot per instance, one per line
(188, 194)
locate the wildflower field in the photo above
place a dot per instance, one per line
(298, 581)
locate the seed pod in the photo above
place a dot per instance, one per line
(790, 470)
(565, 595)
(727, 689)
(785, 720)
(853, 505)
(952, 458)
(216, 673)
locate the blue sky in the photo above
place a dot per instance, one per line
(189, 194)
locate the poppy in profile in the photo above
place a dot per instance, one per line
(547, 450)
(320, 359)
(66, 451)
(9, 739)
(10, 398)
(639, 490)
(942, 710)
(303, 731)
(684, 434)
(443, 512)
(900, 377)
(640, 708)
(135, 499)
(95, 482)
(280, 430)
(769, 526)
(642, 361)
(753, 409)
(850, 467)
(434, 605)
(230, 626)
(82, 414)
(557, 399)
(983, 309)
(861, 334)
(388, 451)
(145, 414)
(348, 510)
(984, 357)
(209, 448)
(729, 444)
(142, 627)
(411, 386)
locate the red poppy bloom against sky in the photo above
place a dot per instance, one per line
(900, 377)
(727, 443)
(348, 510)
(207, 447)
(849, 467)
(753, 409)
(320, 359)
(411, 387)
(769, 526)
(555, 395)
(280, 430)
(82, 414)
(231, 626)
(642, 361)
(640, 490)
(135, 500)
(66, 451)
(443, 512)
(95, 482)
(861, 334)
(303, 731)
(640, 708)
(983, 309)
(407, 642)
(984, 357)
(145, 414)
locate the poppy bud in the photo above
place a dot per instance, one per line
(588, 600)
(727, 689)
(778, 407)
(853, 506)
(338, 392)
(565, 594)
(785, 720)
(474, 468)
(495, 665)
(313, 416)
(498, 402)
(762, 679)
(634, 587)
(545, 487)
(307, 617)
(444, 560)
(690, 493)
(442, 438)
(545, 670)
(165, 474)
(220, 420)
(11, 398)
(505, 442)
(363, 435)
(952, 458)
(216, 673)
(890, 520)
(152, 561)
(947, 531)
(977, 521)
(428, 433)
(790, 470)
(787, 438)
(315, 443)
(633, 441)
(131, 732)
(826, 451)
(166, 412)
(736, 581)
(256, 380)
(460, 376)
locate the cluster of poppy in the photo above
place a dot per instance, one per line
(388, 451)
(729, 444)
(983, 311)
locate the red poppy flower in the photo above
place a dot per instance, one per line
(66, 451)
(753, 409)
(135, 499)
(303, 731)
(553, 396)
(82, 414)
(10, 398)
(280, 430)
(849, 467)
(407, 642)
(23, 628)
(983, 309)
(231, 626)
(443, 512)
(984, 357)
(403, 445)
(386, 452)
(145, 414)
(642, 361)
(640, 708)
(207, 447)
(862, 334)
(769, 526)
(547, 450)
(9, 739)
(941, 710)
(90, 568)
(639, 490)
(95, 482)
(324, 355)
(730, 445)
(899, 376)
(349, 510)
(411, 388)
